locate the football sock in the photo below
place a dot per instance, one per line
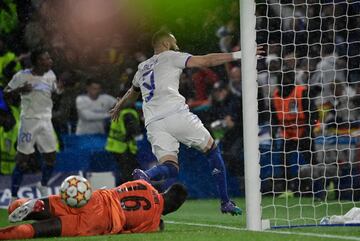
(163, 171)
(22, 231)
(16, 179)
(218, 171)
(46, 174)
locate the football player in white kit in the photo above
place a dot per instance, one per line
(168, 120)
(35, 87)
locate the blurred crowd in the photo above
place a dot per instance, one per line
(313, 57)
(315, 45)
(319, 42)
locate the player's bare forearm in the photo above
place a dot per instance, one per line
(215, 59)
(209, 60)
(218, 59)
(130, 97)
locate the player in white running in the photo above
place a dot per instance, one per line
(35, 87)
(168, 120)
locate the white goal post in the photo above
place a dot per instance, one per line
(250, 115)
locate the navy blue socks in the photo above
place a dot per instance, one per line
(47, 170)
(163, 171)
(218, 171)
(16, 179)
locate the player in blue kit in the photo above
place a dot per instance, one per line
(168, 120)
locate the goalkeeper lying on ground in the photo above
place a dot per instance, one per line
(140, 211)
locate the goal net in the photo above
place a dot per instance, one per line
(309, 109)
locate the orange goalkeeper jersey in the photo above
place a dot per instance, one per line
(133, 207)
(141, 204)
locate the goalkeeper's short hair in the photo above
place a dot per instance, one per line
(174, 197)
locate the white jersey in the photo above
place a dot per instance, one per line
(158, 80)
(92, 113)
(37, 103)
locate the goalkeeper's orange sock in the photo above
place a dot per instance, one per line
(22, 231)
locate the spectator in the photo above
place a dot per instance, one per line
(267, 80)
(328, 70)
(268, 74)
(121, 143)
(291, 61)
(8, 16)
(228, 36)
(64, 112)
(34, 33)
(8, 63)
(355, 112)
(292, 120)
(339, 112)
(186, 89)
(93, 109)
(235, 87)
(9, 128)
(203, 80)
(235, 81)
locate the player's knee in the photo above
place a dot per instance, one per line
(50, 158)
(172, 164)
(22, 166)
(210, 146)
(213, 150)
(22, 161)
(173, 168)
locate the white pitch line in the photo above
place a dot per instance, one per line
(337, 237)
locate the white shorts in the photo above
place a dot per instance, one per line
(185, 127)
(36, 131)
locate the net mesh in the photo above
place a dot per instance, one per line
(309, 109)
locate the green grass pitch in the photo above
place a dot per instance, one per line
(201, 220)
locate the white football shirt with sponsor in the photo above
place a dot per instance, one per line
(158, 80)
(37, 103)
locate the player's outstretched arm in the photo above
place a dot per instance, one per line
(130, 97)
(215, 59)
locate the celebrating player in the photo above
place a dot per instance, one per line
(167, 118)
(35, 86)
(133, 207)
